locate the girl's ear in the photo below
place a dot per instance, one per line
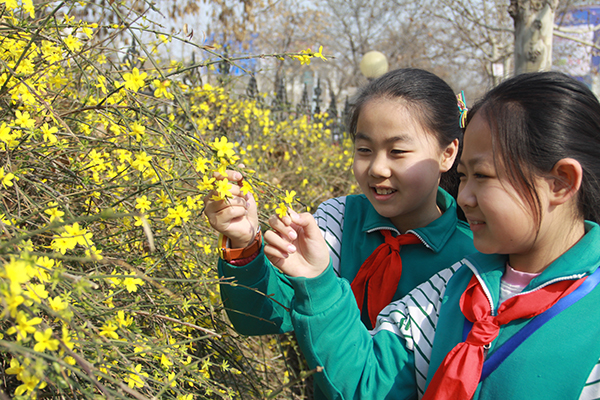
(448, 156)
(566, 176)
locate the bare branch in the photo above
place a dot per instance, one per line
(578, 40)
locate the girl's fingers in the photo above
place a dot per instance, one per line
(278, 246)
(306, 222)
(283, 228)
(218, 207)
(235, 193)
(221, 213)
(234, 176)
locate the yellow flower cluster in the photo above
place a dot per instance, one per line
(305, 56)
(108, 282)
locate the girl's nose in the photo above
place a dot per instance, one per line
(379, 167)
(466, 197)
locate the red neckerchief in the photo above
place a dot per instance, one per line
(381, 273)
(458, 375)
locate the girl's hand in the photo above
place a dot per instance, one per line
(296, 245)
(237, 217)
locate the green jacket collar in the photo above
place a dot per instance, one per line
(435, 235)
(580, 260)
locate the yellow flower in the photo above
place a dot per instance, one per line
(246, 187)
(223, 189)
(178, 214)
(289, 197)
(48, 133)
(108, 330)
(138, 130)
(281, 210)
(24, 119)
(29, 8)
(16, 272)
(57, 304)
(45, 341)
(44, 266)
(80, 235)
(161, 89)
(320, 54)
(15, 368)
(30, 383)
(163, 198)
(131, 284)
(122, 320)
(142, 204)
(164, 360)
(304, 57)
(6, 178)
(224, 149)
(54, 213)
(61, 244)
(73, 43)
(201, 164)
(10, 4)
(109, 300)
(5, 133)
(101, 84)
(206, 184)
(23, 327)
(87, 30)
(191, 202)
(94, 253)
(12, 302)
(36, 292)
(225, 365)
(134, 80)
(135, 377)
(142, 161)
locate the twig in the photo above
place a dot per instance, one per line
(207, 331)
(303, 376)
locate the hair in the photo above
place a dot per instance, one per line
(537, 119)
(430, 100)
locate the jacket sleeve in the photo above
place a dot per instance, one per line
(257, 296)
(356, 365)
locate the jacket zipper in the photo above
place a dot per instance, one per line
(485, 288)
(398, 233)
(563, 278)
(489, 297)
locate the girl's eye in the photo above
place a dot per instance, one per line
(461, 175)
(398, 151)
(480, 176)
(362, 150)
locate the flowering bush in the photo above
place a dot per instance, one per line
(108, 286)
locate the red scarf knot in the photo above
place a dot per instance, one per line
(380, 274)
(483, 332)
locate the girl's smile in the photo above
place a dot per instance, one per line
(383, 193)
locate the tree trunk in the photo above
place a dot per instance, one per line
(534, 24)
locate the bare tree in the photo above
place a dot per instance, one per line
(534, 26)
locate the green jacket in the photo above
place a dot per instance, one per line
(258, 297)
(558, 361)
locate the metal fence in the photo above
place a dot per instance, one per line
(313, 108)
